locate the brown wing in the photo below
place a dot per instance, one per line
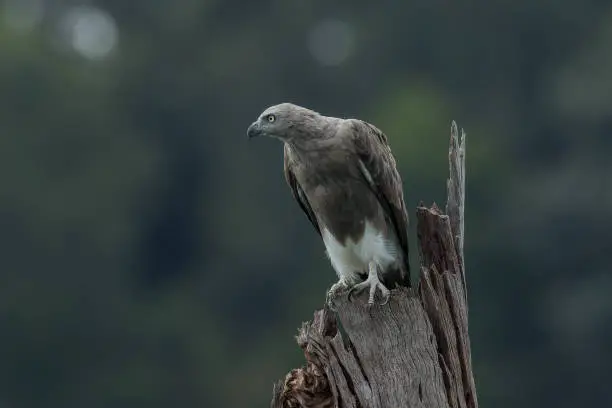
(381, 174)
(297, 191)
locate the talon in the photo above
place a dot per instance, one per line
(386, 294)
(372, 283)
(351, 293)
(358, 288)
(335, 288)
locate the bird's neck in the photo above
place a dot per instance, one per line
(315, 139)
(310, 145)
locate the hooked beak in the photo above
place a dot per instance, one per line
(254, 130)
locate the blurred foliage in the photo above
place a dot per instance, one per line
(150, 255)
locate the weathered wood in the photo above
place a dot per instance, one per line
(412, 352)
(455, 187)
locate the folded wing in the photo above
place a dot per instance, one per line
(379, 169)
(297, 191)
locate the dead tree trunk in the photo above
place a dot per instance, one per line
(412, 352)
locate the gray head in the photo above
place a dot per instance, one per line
(287, 122)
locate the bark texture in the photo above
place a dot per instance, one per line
(412, 352)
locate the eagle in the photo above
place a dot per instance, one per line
(344, 177)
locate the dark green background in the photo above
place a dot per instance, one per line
(151, 256)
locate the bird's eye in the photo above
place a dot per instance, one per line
(271, 118)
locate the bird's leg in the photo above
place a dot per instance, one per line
(372, 283)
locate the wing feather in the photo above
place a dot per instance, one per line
(379, 170)
(297, 191)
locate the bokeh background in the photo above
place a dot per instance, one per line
(151, 256)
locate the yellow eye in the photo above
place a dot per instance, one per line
(270, 118)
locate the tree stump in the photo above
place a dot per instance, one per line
(412, 352)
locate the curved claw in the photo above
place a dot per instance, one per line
(386, 298)
(357, 288)
(349, 295)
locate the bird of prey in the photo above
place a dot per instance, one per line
(343, 175)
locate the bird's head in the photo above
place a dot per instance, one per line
(286, 122)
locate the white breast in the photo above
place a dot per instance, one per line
(353, 257)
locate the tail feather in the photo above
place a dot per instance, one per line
(397, 276)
